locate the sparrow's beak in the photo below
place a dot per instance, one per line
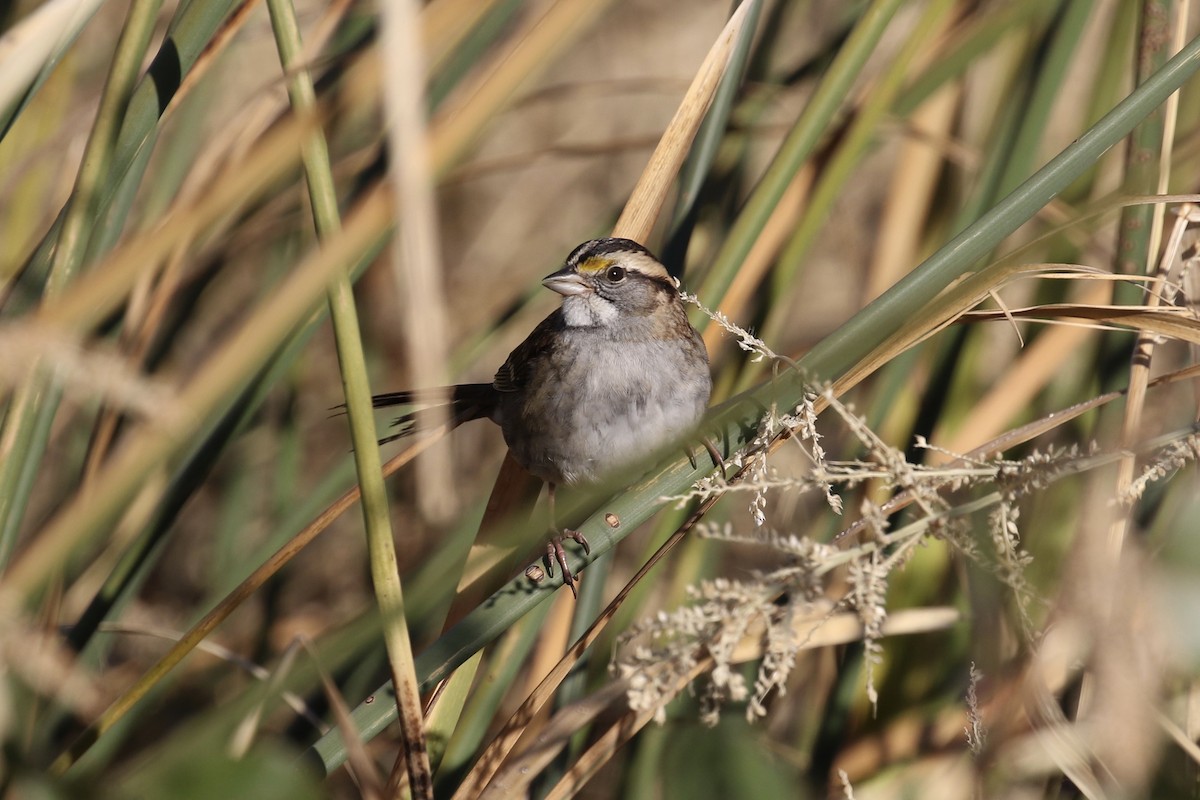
(566, 283)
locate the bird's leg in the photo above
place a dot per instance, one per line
(554, 548)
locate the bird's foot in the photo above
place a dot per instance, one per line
(556, 554)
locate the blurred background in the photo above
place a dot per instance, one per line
(1019, 626)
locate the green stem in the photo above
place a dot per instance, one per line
(1141, 163)
(385, 572)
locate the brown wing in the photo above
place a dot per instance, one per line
(517, 370)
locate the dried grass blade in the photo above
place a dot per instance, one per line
(650, 193)
(1174, 323)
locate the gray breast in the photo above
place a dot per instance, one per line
(598, 405)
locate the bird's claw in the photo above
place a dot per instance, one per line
(715, 453)
(712, 451)
(555, 554)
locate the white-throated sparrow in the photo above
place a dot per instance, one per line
(614, 374)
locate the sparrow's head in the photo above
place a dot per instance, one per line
(614, 282)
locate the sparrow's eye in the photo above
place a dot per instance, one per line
(615, 274)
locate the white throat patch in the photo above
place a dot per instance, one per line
(589, 310)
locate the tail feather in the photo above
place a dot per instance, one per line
(462, 403)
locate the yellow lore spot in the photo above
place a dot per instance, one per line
(595, 265)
